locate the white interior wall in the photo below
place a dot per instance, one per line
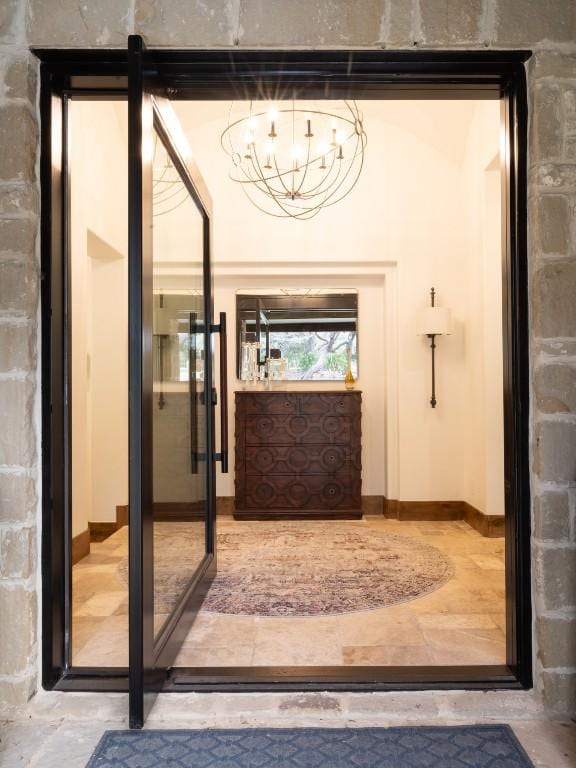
(81, 311)
(418, 205)
(493, 344)
(99, 311)
(424, 231)
(426, 206)
(109, 374)
(485, 455)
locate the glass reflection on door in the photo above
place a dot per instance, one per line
(179, 450)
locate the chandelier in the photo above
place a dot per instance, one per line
(292, 161)
(168, 189)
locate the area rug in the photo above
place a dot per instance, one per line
(300, 568)
(474, 746)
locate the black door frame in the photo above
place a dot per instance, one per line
(152, 654)
(204, 74)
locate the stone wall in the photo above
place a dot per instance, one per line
(548, 28)
(19, 434)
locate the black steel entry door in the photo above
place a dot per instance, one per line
(172, 490)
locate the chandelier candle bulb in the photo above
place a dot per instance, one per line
(309, 133)
(272, 116)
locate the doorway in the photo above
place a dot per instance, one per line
(504, 669)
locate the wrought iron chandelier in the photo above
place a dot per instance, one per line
(168, 189)
(293, 161)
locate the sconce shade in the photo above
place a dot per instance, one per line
(434, 321)
(163, 321)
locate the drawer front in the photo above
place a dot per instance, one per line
(264, 403)
(301, 459)
(338, 403)
(297, 492)
(297, 430)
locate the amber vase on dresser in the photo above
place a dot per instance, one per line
(298, 455)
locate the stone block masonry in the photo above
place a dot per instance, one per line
(548, 28)
(552, 263)
(19, 386)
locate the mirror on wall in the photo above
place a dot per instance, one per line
(297, 335)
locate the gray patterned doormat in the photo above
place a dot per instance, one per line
(470, 746)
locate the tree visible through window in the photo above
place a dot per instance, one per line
(316, 355)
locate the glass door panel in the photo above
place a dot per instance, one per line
(180, 482)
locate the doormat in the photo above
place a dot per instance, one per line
(469, 746)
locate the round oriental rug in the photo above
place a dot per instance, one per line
(306, 568)
(319, 568)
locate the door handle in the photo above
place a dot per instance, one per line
(192, 392)
(222, 457)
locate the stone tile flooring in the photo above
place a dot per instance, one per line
(461, 623)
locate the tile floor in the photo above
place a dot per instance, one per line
(461, 623)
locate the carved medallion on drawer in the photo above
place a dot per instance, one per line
(333, 458)
(298, 454)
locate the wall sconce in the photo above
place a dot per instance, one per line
(161, 331)
(434, 321)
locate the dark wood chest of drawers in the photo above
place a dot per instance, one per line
(298, 454)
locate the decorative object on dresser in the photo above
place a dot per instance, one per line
(349, 380)
(298, 454)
